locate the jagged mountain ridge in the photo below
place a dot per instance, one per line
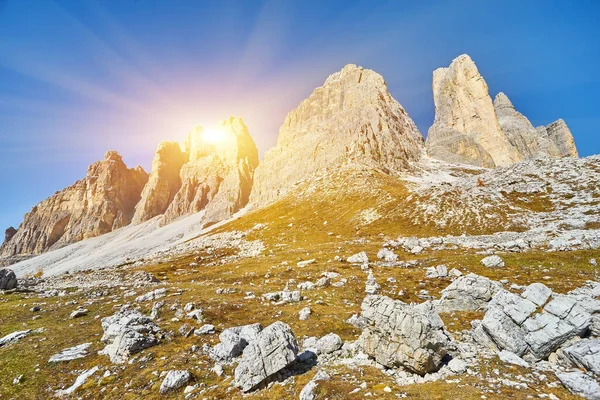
(351, 120)
(196, 175)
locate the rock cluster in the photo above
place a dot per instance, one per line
(401, 335)
(471, 129)
(101, 202)
(352, 118)
(536, 323)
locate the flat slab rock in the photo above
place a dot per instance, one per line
(273, 349)
(14, 337)
(401, 335)
(78, 382)
(72, 353)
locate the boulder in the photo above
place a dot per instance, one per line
(128, 332)
(402, 335)
(468, 293)
(233, 341)
(358, 258)
(174, 380)
(273, 349)
(8, 279)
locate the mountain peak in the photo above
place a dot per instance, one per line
(351, 119)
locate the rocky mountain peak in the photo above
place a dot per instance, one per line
(351, 119)
(465, 127)
(101, 202)
(502, 102)
(559, 133)
(470, 129)
(113, 155)
(209, 170)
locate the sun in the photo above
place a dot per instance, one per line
(213, 135)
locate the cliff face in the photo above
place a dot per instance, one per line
(352, 118)
(101, 202)
(470, 129)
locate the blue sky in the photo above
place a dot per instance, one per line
(78, 78)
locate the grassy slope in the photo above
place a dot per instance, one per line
(295, 230)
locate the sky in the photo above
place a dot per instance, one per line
(80, 77)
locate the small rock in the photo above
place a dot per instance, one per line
(302, 264)
(206, 329)
(80, 312)
(304, 313)
(8, 279)
(512, 358)
(457, 366)
(359, 258)
(493, 262)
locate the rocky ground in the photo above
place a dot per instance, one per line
(263, 309)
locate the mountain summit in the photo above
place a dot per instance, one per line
(352, 118)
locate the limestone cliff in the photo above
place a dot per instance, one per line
(466, 128)
(352, 118)
(101, 202)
